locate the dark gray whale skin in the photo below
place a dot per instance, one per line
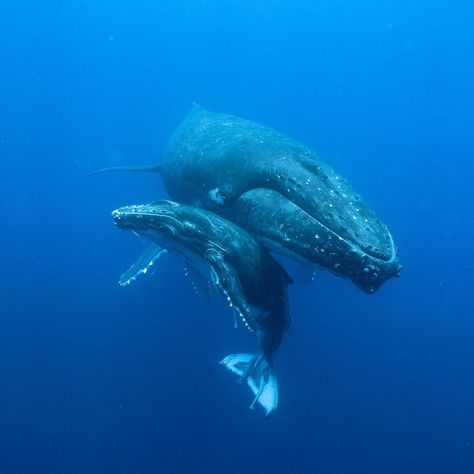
(309, 240)
(280, 191)
(244, 271)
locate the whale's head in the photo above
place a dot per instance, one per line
(165, 222)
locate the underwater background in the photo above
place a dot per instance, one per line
(95, 378)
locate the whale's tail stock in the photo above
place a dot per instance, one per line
(260, 377)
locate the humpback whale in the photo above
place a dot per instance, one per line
(253, 283)
(253, 175)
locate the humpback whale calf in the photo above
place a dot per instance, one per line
(253, 175)
(254, 284)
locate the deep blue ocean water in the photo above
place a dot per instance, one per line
(95, 378)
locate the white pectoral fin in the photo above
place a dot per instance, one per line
(226, 279)
(260, 378)
(143, 264)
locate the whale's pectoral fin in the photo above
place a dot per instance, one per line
(226, 279)
(143, 264)
(260, 378)
(137, 169)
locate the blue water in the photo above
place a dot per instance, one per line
(95, 378)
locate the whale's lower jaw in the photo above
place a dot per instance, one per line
(368, 280)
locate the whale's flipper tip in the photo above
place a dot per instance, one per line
(260, 378)
(143, 264)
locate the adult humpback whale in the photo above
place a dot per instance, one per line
(253, 175)
(254, 284)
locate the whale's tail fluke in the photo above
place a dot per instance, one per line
(260, 377)
(138, 169)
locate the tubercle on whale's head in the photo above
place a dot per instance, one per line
(168, 224)
(162, 218)
(372, 278)
(370, 274)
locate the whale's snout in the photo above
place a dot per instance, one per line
(125, 217)
(116, 214)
